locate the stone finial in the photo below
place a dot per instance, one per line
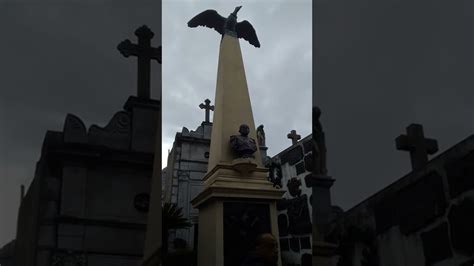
(260, 136)
(145, 53)
(208, 108)
(418, 146)
(294, 137)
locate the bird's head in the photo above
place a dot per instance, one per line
(236, 10)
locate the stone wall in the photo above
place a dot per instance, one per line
(88, 202)
(289, 169)
(424, 218)
(26, 236)
(7, 254)
(187, 165)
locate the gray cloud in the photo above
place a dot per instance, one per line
(278, 74)
(381, 66)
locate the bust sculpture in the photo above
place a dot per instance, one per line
(242, 145)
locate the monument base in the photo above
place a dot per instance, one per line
(244, 165)
(324, 253)
(233, 210)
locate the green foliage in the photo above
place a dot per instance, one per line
(173, 217)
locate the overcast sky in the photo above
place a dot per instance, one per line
(278, 73)
(381, 65)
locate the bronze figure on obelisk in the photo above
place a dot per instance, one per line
(211, 19)
(242, 144)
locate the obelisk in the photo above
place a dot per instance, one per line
(237, 197)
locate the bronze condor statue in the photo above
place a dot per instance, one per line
(211, 19)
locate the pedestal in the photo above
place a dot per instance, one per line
(322, 208)
(323, 252)
(233, 209)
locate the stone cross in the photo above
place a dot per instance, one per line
(144, 52)
(208, 108)
(418, 146)
(294, 137)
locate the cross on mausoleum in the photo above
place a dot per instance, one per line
(208, 108)
(144, 52)
(294, 137)
(418, 146)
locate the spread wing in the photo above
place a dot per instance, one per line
(246, 31)
(209, 18)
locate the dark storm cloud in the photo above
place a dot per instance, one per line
(59, 58)
(381, 65)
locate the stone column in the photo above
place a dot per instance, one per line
(323, 252)
(152, 253)
(144, 114)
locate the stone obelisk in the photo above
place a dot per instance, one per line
(237, 197)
